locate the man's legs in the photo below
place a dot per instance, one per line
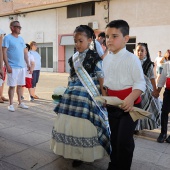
(11, 91)
(19, 93)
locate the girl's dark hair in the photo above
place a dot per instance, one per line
(28, 46)
(146, 65)
(122, 25)
(89, 32)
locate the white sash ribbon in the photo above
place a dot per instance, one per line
(87, 82)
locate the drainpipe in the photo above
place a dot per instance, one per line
(108, 4)
(107, 7)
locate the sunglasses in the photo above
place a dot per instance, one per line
(19, 27)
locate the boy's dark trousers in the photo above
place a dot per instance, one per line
(122, 129)
(165, 111)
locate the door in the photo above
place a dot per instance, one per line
(46, 53)
(69, 51)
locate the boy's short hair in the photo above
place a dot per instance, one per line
(122, 25)
(102, 34)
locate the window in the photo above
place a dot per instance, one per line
(46, 52)
(81, 10)
(131, 45)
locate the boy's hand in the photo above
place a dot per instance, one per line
(155, 93)
(127, 105)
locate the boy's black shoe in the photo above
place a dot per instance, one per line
(76, 163)
(168, 139)
(162, 138)
(111, 167)
(136, 132)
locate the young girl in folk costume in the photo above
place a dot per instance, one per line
(149, 98)
(165, 79)
(81, 130)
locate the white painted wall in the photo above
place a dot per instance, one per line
(157, 38)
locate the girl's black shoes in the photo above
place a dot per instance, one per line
(76, 163)
(168, 139)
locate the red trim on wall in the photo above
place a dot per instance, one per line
(61, 54)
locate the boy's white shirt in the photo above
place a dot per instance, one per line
(165, 73)
(123, 70)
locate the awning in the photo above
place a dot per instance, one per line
(67, 40)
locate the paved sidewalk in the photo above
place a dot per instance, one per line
(25, 136)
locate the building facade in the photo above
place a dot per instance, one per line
(51, 24)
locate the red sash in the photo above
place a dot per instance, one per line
(168, 83)
(122, 94)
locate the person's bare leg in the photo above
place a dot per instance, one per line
(1, 89)
(11, 91)
(157, 78)
(1, 101)
(32, 91)
(19, 93)
(22, 91)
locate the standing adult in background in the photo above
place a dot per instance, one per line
(36, 72)
(1, 58)
(159, 66)
(28, 76)
(165, 79)
(15, 56)
(99, 41)
(2, 70)
(165, 58)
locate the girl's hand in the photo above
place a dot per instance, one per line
(127, 105)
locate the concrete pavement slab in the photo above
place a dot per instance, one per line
(32, 138)
(8, 148)
(7, 166)
(31, 158)
(164, 161)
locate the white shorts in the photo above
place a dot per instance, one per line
(17, 77)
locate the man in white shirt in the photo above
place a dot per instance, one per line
(159, 66)
(99, 41)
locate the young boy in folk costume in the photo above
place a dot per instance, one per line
(81, 130)
(124, 79)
